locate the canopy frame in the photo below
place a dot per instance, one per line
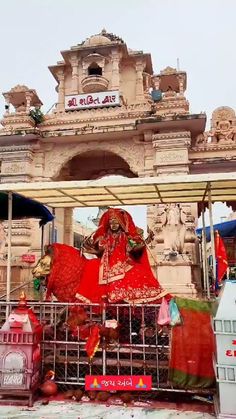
(151, 190)
(134, 191)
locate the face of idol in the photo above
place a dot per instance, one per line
(114, 225)
(43, 267)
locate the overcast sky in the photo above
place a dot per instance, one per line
(201, 33)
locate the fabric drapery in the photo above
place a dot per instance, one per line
(221, 258)
(192, 346)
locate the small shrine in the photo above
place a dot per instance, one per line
(20, 355)
(22, 99)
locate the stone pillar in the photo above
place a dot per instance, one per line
(139, 82)
(179, 273)
(75, 75)
(28, 96)
(171, 152)
(16, 163)
(68, 226)
(115, 71)
(61, 91)
(147, 169)
(181, 84)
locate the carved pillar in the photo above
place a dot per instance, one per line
(179, 273)
(16, 163)
(171, 151)
(28, 97)
(115, 71)
(75, 75)
(181, 84)
(61, 91)
(38, 166)
(68, 226)
(139, 82)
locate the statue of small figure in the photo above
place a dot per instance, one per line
(225, 132)
(201, 139)
(174, 229)
(2, 240)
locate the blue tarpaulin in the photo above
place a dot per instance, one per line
(226, 229)
(24, 208)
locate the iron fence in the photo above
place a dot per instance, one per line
(141, 346)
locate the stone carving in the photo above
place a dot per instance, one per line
(21, 97)
(224, 132)
(201, 139)
(171, 157)
(2, 240)
(224, 113)
(223, 125)
(223, 129)
(173, 219)
(10, 168)
(169, 70)
(56, 158)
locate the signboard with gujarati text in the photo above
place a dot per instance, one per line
(116, 382)
(29, 258)
(92, 100)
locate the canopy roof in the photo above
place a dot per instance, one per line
(24, 208)
(135, 191)
(225, 229)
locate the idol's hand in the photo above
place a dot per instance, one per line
(134, 246)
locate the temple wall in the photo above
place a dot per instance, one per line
(128, 84)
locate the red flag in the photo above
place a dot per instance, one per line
(221, 257)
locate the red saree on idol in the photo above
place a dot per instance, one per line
(122, 271)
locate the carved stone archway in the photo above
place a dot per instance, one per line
(128, 157)
(94, 164)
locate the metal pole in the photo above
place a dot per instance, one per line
(53, 226)
(8, 292)
(103, 343)
(203, 250)
(41, 286)
(42, 240)
(212, 235)
(204, 256)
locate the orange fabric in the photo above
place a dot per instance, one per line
(93, 341)
(221, 257)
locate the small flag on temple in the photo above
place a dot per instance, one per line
(221, 258)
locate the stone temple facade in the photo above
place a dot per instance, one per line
(114, 116)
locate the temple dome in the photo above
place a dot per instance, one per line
(96, 40)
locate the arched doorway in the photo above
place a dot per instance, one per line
(94, 165)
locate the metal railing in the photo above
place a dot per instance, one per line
(142, 346)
